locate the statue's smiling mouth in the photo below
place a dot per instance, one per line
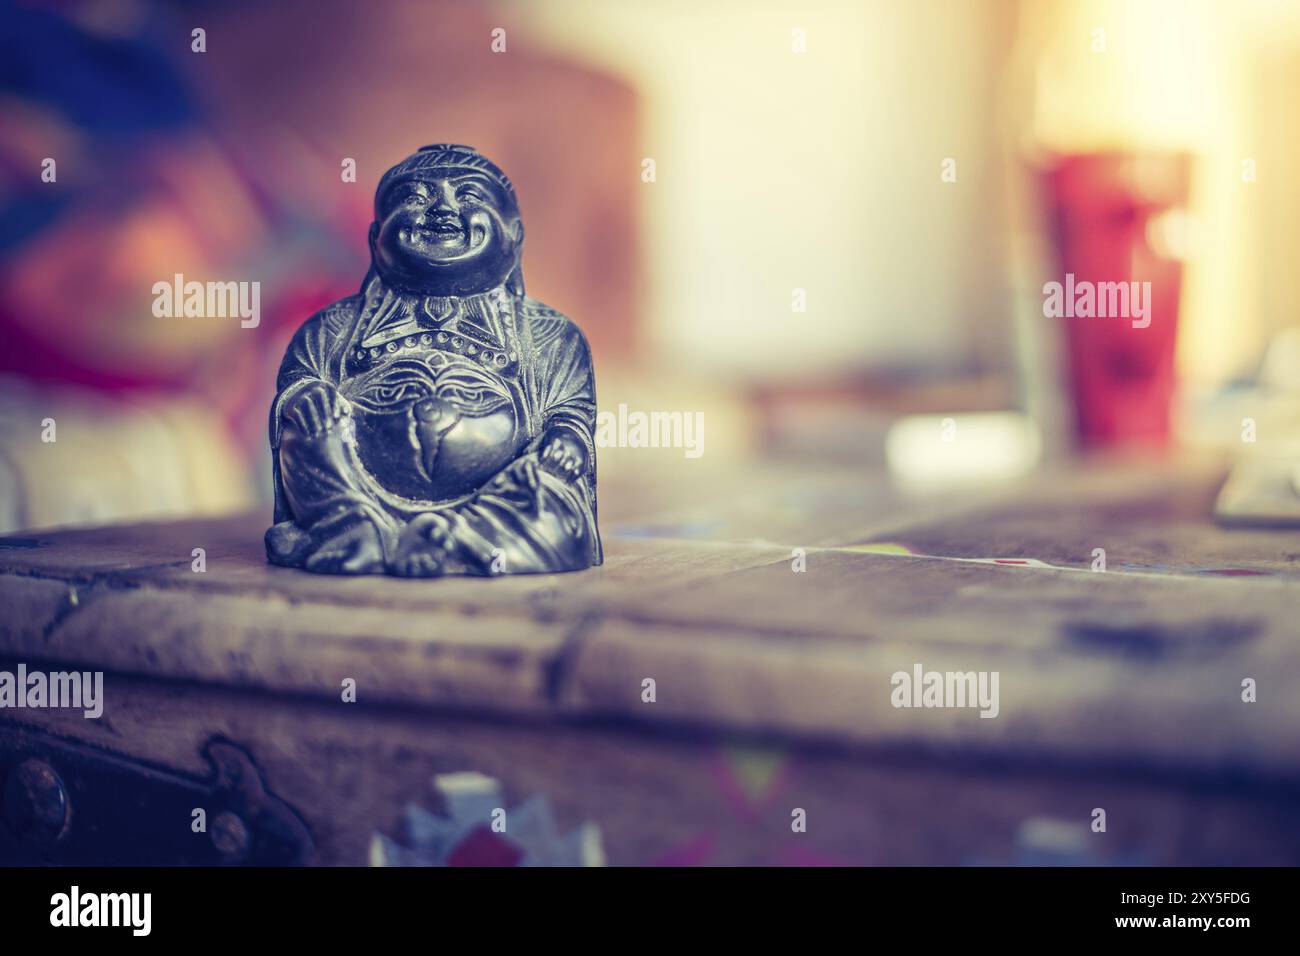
(452, 239)
(442, 229)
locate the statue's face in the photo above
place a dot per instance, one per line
(449, 233)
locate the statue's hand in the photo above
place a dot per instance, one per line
(317, 408)
(423, 548)
(563, 455)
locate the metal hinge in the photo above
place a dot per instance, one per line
(67, 803)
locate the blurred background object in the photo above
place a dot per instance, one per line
(804, 220)
(1105, 208)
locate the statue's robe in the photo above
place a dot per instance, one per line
(375, 493)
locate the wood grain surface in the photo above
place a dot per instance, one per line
(1132, 675)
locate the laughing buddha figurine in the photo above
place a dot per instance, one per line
(439, 421)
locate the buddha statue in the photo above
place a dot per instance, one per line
(439, 421)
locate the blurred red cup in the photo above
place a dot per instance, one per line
(1105, 211)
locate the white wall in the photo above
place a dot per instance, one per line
(778, 170)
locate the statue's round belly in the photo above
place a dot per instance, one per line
(435, 452)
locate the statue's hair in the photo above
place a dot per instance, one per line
(441, 156)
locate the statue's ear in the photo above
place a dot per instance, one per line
(515, 282)
(372, 236)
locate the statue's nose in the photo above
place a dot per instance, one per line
(437, 412)
(435, 417)
(443, 201)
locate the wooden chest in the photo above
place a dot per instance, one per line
(723, 691)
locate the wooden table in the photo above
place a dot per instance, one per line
(1119, 689)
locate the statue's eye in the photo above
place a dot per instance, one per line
(470, 194)
(412, 196)
(471, 400)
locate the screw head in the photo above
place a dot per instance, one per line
(36, 801)
(230, 836)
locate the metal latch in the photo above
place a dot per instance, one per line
(67, 803)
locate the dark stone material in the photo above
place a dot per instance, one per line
(439, 421)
